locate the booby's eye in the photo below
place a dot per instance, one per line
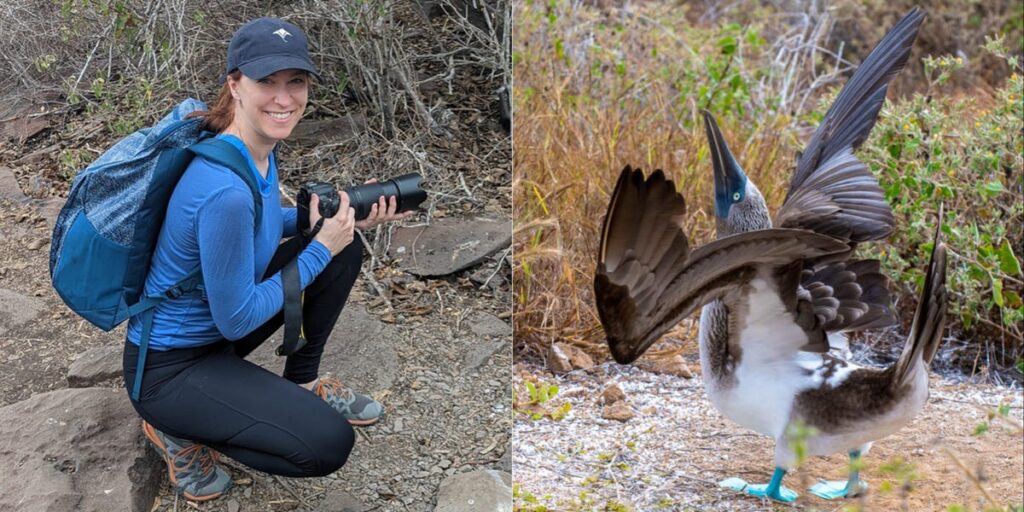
(735, 196)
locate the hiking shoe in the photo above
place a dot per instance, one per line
(192, 467)
(357, 409)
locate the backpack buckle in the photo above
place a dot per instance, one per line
(174, 293)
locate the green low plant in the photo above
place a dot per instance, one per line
(536, 405)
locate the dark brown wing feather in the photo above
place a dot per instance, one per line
(848, 296)
(647, 279)
(831, 191)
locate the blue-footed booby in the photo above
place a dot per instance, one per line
(775, 292)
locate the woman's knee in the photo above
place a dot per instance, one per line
(342, 270)
(332, 448)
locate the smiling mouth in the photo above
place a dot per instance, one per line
(280, 116)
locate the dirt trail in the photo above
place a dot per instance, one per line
(443, 415)
(676, 448)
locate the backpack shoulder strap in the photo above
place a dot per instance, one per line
(223, 153)
(191, 282)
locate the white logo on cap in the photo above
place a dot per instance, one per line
(283, 33)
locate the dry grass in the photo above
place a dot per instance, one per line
(593, 96)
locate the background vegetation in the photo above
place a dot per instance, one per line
(600, 86)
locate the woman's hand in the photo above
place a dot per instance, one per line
(336, 232)
(382, 211)
(314, 210)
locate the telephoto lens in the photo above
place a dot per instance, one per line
(405, 188)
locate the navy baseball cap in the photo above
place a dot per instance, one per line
(265, 46)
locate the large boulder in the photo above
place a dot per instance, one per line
(478, 490)
(76, 449)
(95, 366)
(448, 245)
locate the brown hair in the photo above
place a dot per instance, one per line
(223, 112)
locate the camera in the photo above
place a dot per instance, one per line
(405, 188)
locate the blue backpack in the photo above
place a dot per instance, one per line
(106, 232)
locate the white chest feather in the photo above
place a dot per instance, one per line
(761, 398)
(769, 334)
(768, 376)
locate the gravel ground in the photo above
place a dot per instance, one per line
(447, 404)
(670, 455)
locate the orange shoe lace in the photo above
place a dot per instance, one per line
(328, 386)
(207, 458)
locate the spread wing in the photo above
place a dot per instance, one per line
(648, 279)
(831, 191)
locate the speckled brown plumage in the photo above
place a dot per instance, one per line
(865, 394)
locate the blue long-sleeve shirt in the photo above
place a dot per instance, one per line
(209, 223)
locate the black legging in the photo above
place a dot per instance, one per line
(212, 395)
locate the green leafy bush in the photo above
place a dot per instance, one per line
(965, 153)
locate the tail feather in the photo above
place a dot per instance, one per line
(930, 317)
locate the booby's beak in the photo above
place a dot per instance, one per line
(729, 178)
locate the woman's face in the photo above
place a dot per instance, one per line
(268, 109)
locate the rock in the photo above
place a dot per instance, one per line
(233, 506)
(361, 351)
(486, 324)
(338, 129)
(39, 185)
(49, 209)
(17, 309)
(505, 462)
(558, 358)
(618, 411)
(95, 365)
(448, 245)
(489, 275)
(24, 125)
(9, 188)
(671, 366)
(481, 353)
(487, 489)
(612, 394)
(563, 357)
(580, 359)
(76, 449)
(38, 243)
(338, 500)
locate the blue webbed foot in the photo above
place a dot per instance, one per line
(780, 493)
(835, 489)
(736, 484)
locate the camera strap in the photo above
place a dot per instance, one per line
(294, 337)
(308, 234)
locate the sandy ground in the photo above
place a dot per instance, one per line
(676, 448)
